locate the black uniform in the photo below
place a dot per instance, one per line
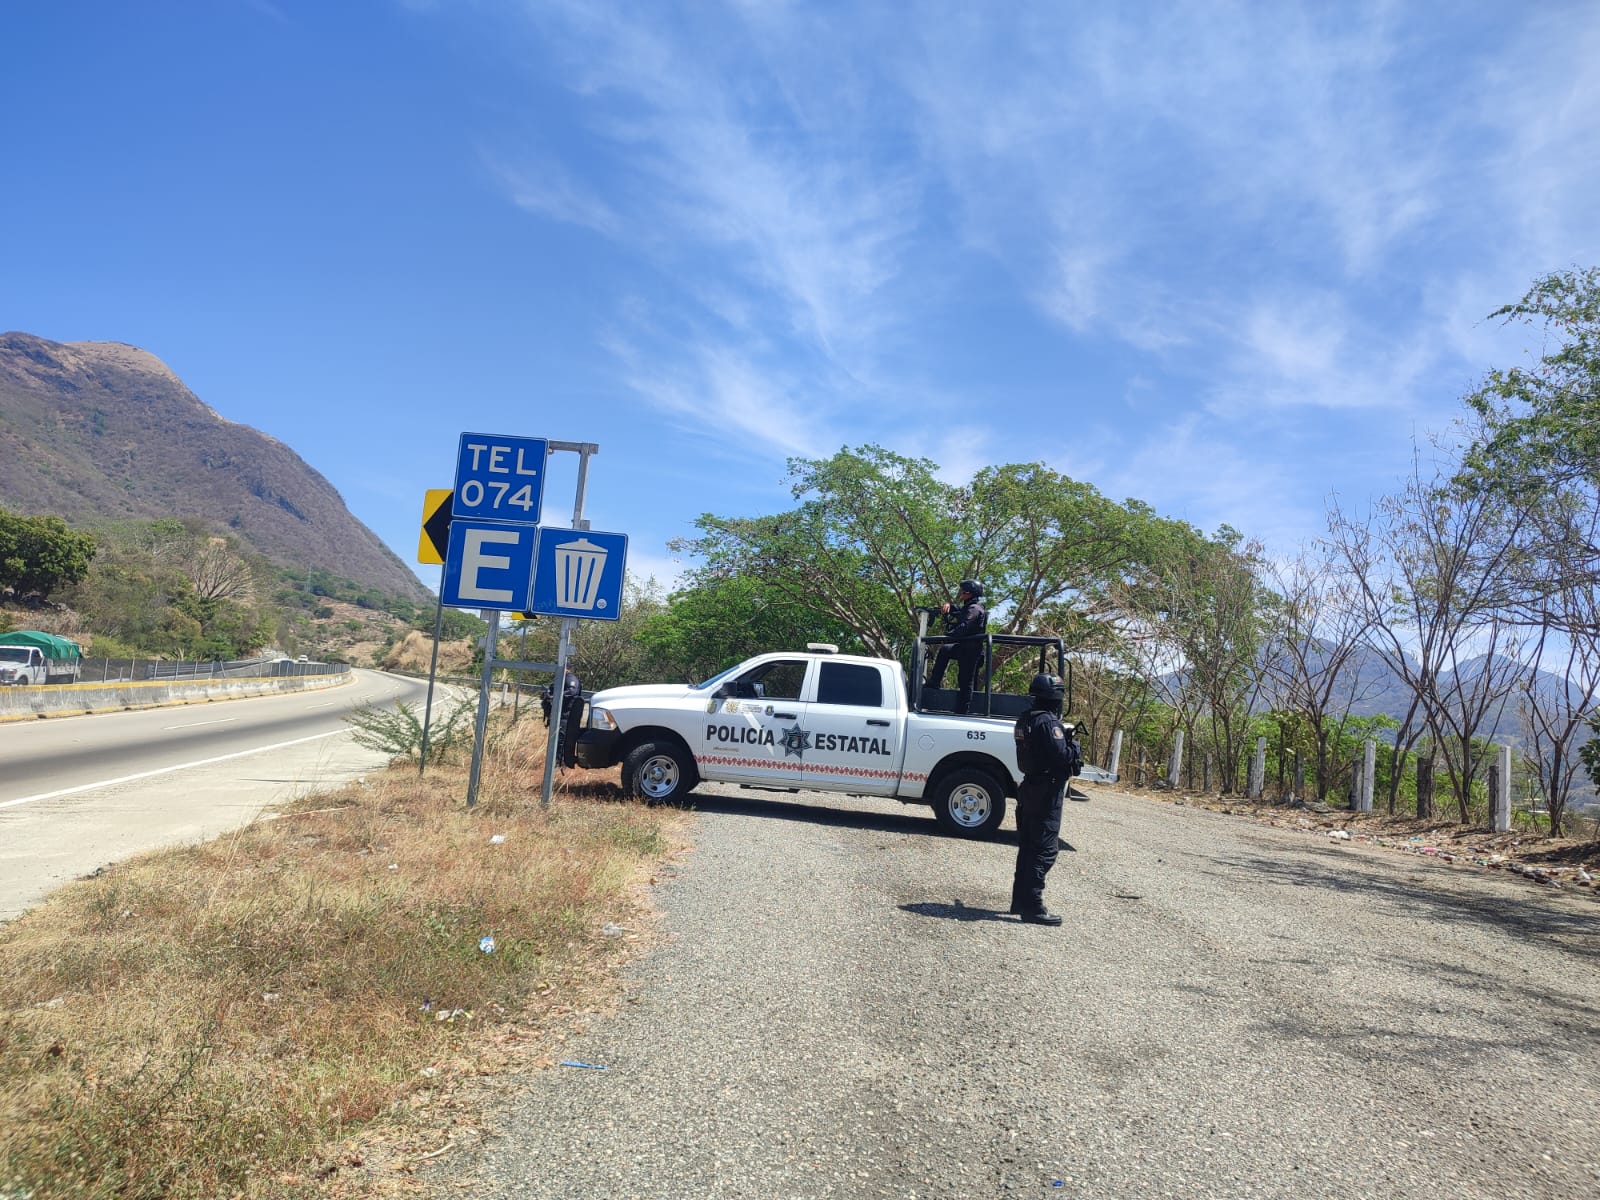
(1048, 757)
(968, 622)
(571, 704)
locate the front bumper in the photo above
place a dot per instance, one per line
(598, 748)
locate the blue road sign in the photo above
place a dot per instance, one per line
(499, 478)
(578, 573)
(489, 565)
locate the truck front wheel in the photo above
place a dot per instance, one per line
(658, 771)
(969, 803)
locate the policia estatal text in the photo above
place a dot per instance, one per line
(1048, 757)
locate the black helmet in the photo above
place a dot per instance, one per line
(972, 588)
(1046, 691)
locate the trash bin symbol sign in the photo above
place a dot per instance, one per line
(579, 566)
(578, 573)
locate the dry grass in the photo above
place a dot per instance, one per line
(1535, 855)
(414, 653)
(287, 1008)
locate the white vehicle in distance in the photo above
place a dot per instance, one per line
(29, 658)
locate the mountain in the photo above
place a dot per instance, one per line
(1369, 686)
(92, 431)
(1378, 689)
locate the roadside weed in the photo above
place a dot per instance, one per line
(228, 1019)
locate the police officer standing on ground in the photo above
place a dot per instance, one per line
(965, 620)
(571, 701)
(1048, 757)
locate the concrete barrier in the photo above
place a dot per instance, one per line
(78, 699)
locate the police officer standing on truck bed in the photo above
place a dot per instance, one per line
(965, 620)
(1048, 756)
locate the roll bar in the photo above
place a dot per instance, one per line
(986, 698)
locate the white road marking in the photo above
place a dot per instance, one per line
(194, 724)
(203, 762)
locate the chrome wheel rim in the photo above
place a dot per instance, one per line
(970, 806)
(658, 776)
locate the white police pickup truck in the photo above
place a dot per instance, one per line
(816, 720)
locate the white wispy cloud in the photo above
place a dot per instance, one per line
(814, 223)
(1281, 212)
(543, 186)
(719, 394)
(750, 189)
(1191, 472)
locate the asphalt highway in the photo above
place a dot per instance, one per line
(77, 793)
(837, 1009)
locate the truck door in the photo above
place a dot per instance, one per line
(757, 734)
(854, 725)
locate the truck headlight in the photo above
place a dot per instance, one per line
(600, 718)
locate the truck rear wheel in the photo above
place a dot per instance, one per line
(969, 803)
(660, 772)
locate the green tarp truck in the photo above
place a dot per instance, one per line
(28, 657)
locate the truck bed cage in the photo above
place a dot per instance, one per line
(985, 701)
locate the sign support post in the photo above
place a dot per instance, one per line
(481, 725)
(432, 545)
(433, 671)
(564, 642)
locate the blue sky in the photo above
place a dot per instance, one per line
(1227, 259)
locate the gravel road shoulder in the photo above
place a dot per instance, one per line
(1232, 1009)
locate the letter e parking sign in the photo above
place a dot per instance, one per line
(489, 565)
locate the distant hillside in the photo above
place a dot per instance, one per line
(1370, 687)
(1380, 690)
(98, 430)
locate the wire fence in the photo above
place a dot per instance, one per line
(126, 670)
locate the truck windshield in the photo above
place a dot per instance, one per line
(716, 679)
(13, 654)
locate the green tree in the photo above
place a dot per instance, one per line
(168, 587)
(454, 625)
(1203, 612)
(1539, 443)
(721, 621)
(1589, 752)
(610, 653)
(1315, 659)
(1436, 565)
(41, 555)
(1543, 423)
(876, 535)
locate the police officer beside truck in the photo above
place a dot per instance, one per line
(966, 622)
(1048, 757)
(571, 711)
(571, 702)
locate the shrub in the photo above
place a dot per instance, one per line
(397, 731)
